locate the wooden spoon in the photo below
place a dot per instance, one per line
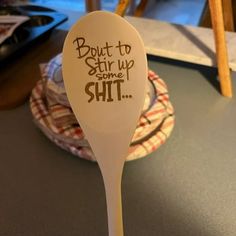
(105, 73)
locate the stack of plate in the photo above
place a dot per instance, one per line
(53, 115)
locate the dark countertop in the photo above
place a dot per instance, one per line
(186, 188)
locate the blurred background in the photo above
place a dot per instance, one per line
(175, 11)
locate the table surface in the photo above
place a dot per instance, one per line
(185, 188)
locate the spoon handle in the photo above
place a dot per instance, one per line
(112, 182)
(114, 211)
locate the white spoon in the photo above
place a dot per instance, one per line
(105, 73)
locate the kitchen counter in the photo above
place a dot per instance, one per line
(185, 188)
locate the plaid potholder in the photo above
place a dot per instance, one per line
(153, 128)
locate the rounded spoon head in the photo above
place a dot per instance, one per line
(105, 71)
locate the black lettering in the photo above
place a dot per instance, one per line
(123, 48)
(99, 76)
(87, 90)
(118, 82)
(119, 46)
(125, 65)
(109, 99)
(107, 47)
(93, 68)
(101, 93)
(82, 49)
(129, 65)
